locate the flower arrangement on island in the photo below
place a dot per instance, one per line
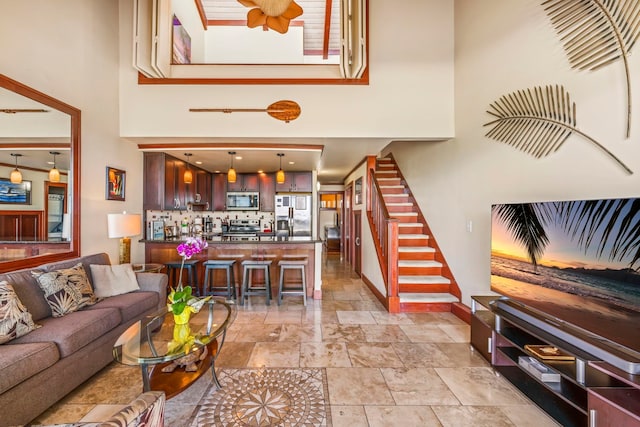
(181, 302)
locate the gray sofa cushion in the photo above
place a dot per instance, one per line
(21, 361)
(29, 292)
(130, 305)
(86, 261)
(75, 330)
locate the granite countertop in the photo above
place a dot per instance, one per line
(265, 238)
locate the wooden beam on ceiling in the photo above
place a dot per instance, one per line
(327, 28)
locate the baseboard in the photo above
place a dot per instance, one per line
(375, 291)
(462, 311)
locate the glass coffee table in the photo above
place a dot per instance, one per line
(172, 357)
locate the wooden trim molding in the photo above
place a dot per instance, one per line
(224, 146)
(327, 29)
(203, 16)
(375, 291)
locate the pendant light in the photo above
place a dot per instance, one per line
(188, 175)
(231, 174)
(54, 173)
(280, 173)
(16, 175)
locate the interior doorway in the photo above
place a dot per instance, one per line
(357, 242)
(55, 206)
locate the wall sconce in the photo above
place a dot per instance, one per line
(188, 175)
(16, 175)
(54, 174)
(231, 173)
(280, 173)
(124, 226)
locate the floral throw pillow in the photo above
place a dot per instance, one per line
(66, 290)
(15, 320)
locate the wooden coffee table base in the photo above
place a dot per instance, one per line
(173, 383)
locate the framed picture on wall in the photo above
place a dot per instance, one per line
(116, 180)
(15, 194)
(357, 190)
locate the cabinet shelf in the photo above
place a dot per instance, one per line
(557, 407)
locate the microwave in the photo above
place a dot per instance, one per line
(243, 201)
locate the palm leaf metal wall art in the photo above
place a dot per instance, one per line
(537, 121)
(596, 33)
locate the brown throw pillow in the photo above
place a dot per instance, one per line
(15, 320)
(66, 290)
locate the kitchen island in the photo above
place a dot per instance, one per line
(163, 251)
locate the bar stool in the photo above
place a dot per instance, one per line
(228, 266)
(237, 270)
(248, 266)
(190, 265)
(297, 288)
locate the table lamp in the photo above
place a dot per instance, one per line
(124, 226)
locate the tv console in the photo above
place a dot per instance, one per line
(599, 380)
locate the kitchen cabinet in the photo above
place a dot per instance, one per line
(202, 188)
(245, 182)
(219, 184)
(163, 182)
(267, 192)
(300, 182)
(21, 226)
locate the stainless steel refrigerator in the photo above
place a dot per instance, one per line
(295, 208)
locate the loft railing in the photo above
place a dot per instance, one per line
(385, 236)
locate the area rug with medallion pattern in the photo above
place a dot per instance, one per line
(266, 397)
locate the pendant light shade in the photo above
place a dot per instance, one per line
(280, 173)
(231, 174)
(188, 175)
(16, 175)
(54, 173)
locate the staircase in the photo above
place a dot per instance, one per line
(425, 282)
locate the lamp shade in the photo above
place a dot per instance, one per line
(280, 177)
(54, 175)
(188, 176)
(16, 176)
(231, 175)
(124, 225)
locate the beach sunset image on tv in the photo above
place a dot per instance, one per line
(576, 260)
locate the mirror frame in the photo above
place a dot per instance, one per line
(74, 113)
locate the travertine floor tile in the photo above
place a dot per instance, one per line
(324, 355)
(373, 355)
(417, 386)
(480, 386)
(235, 355)
(457, 333)
(423, 355)
(348, 416)
(342, 333)
(355, 318)
(384, 333)
(301, 333)
(425, 333)
(357, 386)
(528, 416)
(471, 416)
(462, 354)
(405, 416)
(275, 354)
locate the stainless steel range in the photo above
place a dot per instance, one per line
(243, 230)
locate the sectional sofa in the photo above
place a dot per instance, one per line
(40, 367)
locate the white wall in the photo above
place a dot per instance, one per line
(410, 94)
(69, 50)
(457, 181)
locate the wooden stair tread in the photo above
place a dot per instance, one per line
(436, 297)
(400, 204)
(416, 249)
(423, 280)
(419, 263)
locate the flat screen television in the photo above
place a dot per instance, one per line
(577, 261)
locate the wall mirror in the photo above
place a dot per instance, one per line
(40, 216)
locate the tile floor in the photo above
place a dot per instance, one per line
(382, 369)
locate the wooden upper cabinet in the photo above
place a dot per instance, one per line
(219, 184)
(202, 180)
(245, 182)
(267, 192)
(163, 183)
(300, 182)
